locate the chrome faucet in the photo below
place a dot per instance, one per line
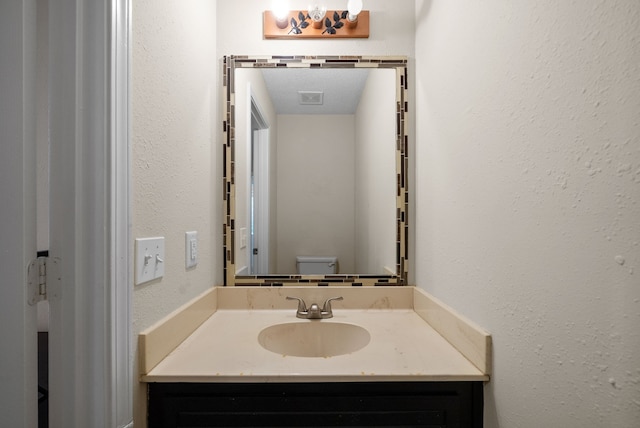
(314, 312)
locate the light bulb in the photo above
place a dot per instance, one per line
(280, 10)
(317, 12)
(354, 7)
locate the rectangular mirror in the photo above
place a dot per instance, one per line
(315, 170)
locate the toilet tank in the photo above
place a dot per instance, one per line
(315, 265)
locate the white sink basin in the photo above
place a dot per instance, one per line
(314, 338)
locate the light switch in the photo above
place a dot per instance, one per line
(149, 259)
(191, 249)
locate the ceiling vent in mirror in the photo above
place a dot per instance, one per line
(310, 97)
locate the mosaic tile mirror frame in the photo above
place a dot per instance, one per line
(399, 64)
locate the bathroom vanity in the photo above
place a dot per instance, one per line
(422, 364)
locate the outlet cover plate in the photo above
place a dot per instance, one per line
(191, 249)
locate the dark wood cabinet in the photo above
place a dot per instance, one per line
(382, 404)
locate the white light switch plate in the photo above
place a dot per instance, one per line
(149, 259)
(191, 249)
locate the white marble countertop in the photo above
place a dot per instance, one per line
(225, 348)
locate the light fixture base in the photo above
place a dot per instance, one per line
(272, 31)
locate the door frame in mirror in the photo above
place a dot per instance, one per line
(399, 64)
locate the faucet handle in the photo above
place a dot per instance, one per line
(302, 307)
(327, 304)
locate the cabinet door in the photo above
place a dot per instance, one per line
(405, 404)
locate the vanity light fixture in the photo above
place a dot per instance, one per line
(316, 21)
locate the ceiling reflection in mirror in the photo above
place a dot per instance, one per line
(315, 170)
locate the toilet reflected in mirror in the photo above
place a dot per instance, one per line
(316, 265)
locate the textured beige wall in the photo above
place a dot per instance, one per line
(175, 151)
(375, 175)
(528, 198)
(316, 189)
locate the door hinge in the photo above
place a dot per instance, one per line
(43, 279)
